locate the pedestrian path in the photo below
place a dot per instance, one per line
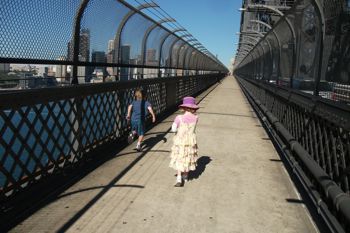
(240, 186)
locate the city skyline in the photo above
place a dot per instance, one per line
(27, 40)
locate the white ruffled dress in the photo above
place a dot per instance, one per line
(184, 152)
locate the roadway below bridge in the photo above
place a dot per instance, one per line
(240, 185)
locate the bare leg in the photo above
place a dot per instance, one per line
(178, 180)
(179, 173)
(138, 146)
(140, 139)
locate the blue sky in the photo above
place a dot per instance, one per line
(213, 22)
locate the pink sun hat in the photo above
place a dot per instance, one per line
(189, 102)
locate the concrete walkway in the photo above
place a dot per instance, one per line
(240, 185)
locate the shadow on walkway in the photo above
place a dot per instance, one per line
(152, 141)
(201, 164)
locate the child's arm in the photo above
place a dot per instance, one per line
(129, 112)
(174, 127)
(175, 124)
(152, 113)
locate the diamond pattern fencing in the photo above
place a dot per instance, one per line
(323, 130)
(48, 130)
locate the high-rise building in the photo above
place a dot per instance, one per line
(61, 70)
(84, 45)
(98, 57)
(151, 60)
(42, 71)
(84, 52)
(125, 59)
(125, 54)
(110, 52)
(111, 46)
(4, 67)
(151, 57)
(110, 57)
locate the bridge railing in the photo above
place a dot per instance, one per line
(44, 131)
(297, 76)
(314, 134)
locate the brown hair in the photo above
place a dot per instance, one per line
(191, 110)
(138, 94)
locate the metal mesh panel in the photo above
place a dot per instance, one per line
(317, 59)
(326, 141)
(322, 130)
(261, 52)
(267, 68)
(274, 56)
(188, 58)
(99, 28)
(42, 136)
(28, 29)
(165, 57)
(86, 41)
(182, 54)
(156, 94)
(36, 140)
(309, 40)
(131, 39)
(153, 46)
(175, 53)
(193, 60)
(336, 56)
(200, 61)
(99, 119)
(286, 63)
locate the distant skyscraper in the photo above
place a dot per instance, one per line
(61, 70)
(42, 71)
(125, 59)
(84, 45)
(110, 46)
(110, 58)
(84, 51)
(150, 61)
(5, 67)
(151, 57)
(110, 52)
(98, 56)
(125, 54)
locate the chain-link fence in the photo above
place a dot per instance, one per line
(297, 76)
(307, 50)
(90, 41)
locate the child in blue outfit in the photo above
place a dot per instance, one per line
(137, 112)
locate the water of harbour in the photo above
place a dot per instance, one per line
(56, 133)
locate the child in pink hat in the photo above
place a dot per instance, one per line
(184, 152)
